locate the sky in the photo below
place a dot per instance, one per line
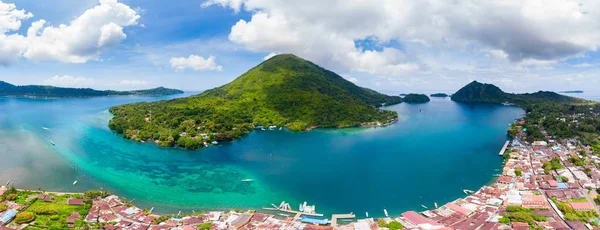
(387, 45)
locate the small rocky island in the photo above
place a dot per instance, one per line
(443, 95)
(414, 98)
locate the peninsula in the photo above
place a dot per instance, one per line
(283, 91)
(476, 92)
(41, 91)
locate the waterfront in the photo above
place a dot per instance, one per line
(451, 147)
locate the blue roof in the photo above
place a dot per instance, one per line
(8, 215)
(312, 220)
(561, 186)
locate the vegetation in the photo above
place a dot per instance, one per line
(93, 194)
(10, 90)
(3, 207)
(24, 217)
(439, 95)
(205, 226)
(416, 98)
(572, 214)
(393, 225)
(53, 215)
(518, 172)
(554, 164)
(520, 214)
(283, 91)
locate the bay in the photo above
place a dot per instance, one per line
(430, 155)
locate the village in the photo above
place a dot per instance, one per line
(543, 185)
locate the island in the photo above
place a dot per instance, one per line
(476, 92)
(41, 91)
(572, 91)
(413, 98)
(439, 95)
(283, 91)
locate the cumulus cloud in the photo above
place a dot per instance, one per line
(83, 39)
(326, 32)
(196, 63)
(69, 81)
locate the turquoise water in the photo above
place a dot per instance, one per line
(434, 152)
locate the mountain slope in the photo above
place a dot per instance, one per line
(10, 90)
(488, 93)
(283, 91)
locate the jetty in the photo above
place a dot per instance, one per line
(335, 217)
(305, 209)
(504, 148)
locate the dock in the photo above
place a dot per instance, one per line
(335, 217)
(305, 209)
(294, 212)
(504, 148)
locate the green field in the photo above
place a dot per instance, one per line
(53, 215)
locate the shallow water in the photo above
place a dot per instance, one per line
(434, 152)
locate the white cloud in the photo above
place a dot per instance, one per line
(196, 63)
(133, 83)
(83, 39)
(69, 81)
(269, 56)
(533, 32)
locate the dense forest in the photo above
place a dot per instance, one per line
(9, 90)
(284, 91)
(415, 98)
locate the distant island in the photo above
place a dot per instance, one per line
(283, 91)
(439, 95)
(415, 98)
(10, 90)
(403, 94)
(572, 91)
(487, 93)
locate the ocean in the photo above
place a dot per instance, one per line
(430, 155)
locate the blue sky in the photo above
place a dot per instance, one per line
(390, 46)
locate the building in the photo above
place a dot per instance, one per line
(7, 216)
(72, 218)
(533, 201)
(581, 206)
(76, 202)
(418, 220)
(504, 180)
(240, 221)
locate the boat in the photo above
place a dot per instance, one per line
(466, 191)
(367, 213)
(247, 180)
(280, 128)
(424, 206)
(283, 214)
(215, 143)
(45, 128)
(385, 212)
(435, 204)
(52, 142)
(75, 182)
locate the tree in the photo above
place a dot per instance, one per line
(24, 217)
(205, 226)
(3, 207)
(12, 197)
(518, 172)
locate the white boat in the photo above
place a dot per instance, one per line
(45, 128)
(367, 213)
(75, 182)
(247, 180)
(280, 128)
(385, 212)
(52, 142)
(281, 214)
(424, 206)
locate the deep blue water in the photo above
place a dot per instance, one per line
(434, 152)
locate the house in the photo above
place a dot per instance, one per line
(533, 201)
(504, 180)
(520, 226)
(76, 202)
(458, 209)
(45, 198)
(581, 206)
(71, 219)
(7, 216)
(418, 220)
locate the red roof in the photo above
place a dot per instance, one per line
(417, 219)
(581, 205)
(552, 183)
(458, 209)
(75, 202)
(504, 179)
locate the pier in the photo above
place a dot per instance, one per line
(504, 148)
(285, 207)
(335, 217)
